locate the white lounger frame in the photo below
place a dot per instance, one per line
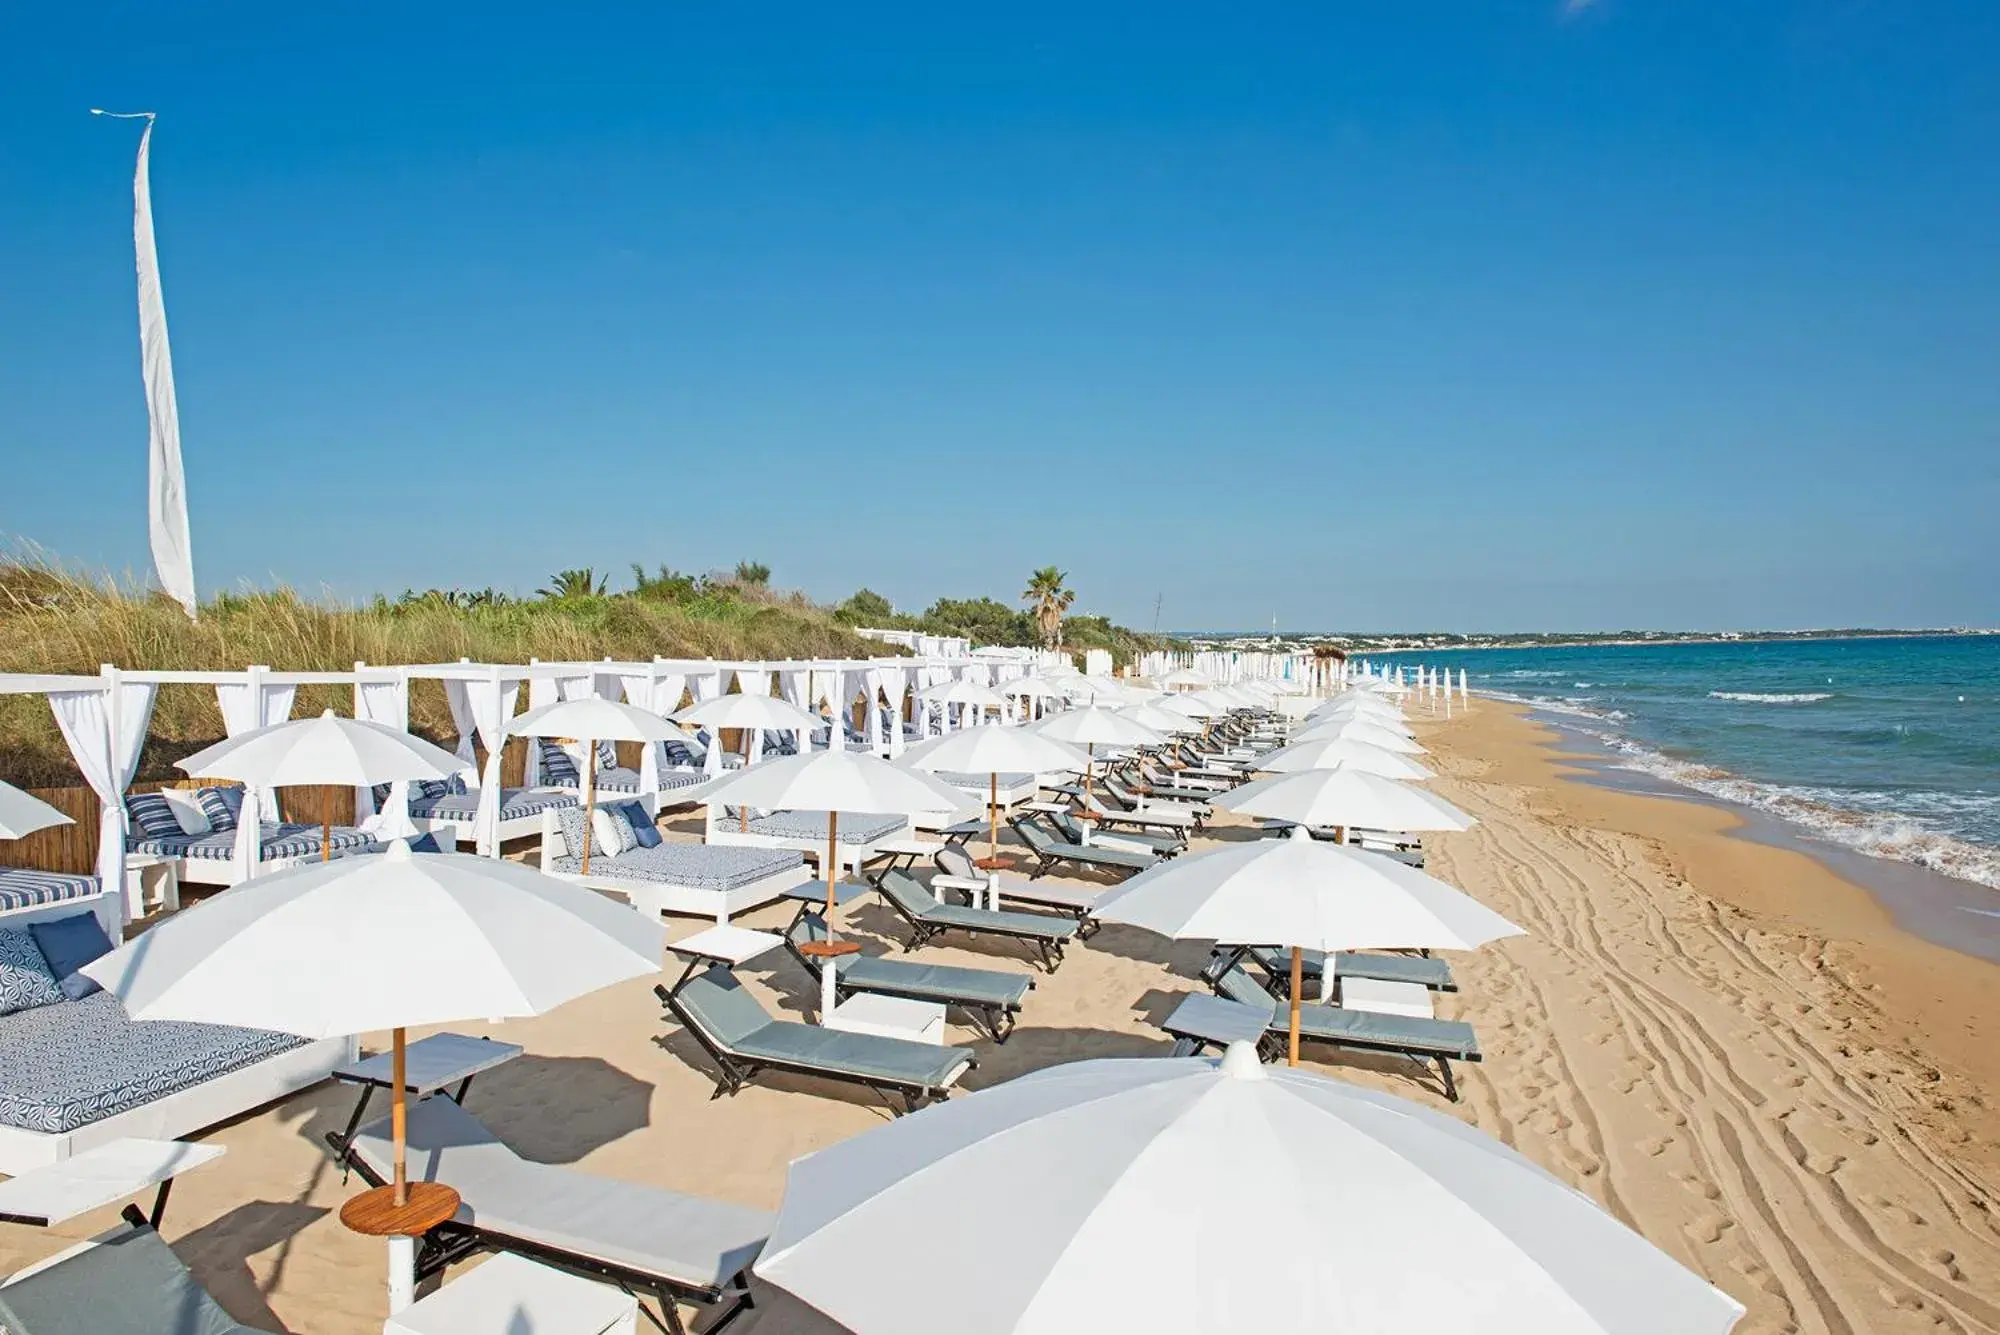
(975, 804)
(657, 897)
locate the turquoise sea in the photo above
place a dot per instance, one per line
(1887, 746)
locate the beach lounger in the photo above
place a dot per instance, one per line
(743, 1039)
(1437, 1041)
(956, 871)
(1419, 969)
(1138, 802)
(130, 1283)
(1051, 850)
(1163, 820)
(646, 1240)
(1169, 784)
(994, 997)
(929, 918)
(1159, 845)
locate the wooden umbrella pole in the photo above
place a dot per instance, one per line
(399, 1123)
(1298, 983)
(993, 816)
(589, 800)
(832, 863)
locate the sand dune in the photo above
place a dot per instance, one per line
(1797, 1114)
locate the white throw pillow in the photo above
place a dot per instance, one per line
(185, 803)
(613, 836)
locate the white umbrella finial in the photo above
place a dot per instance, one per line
(1240, 1062)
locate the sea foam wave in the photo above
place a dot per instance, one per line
(1772, 697)
(1899, 825)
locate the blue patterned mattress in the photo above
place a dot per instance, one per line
(623, 780)
(21, 888)
(78, 1062)
(700, 866)
(280, 841)
(854, 829)
(515, 803)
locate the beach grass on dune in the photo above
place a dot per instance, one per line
(57, 620)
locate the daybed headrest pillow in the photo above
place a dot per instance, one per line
(68, 944)
(645, 834)
(185, 803)
(26, 981)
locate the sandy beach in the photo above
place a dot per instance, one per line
(1733, 1050)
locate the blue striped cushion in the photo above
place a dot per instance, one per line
(558, 766)
(678, 753)
(607, 755)
(150, 812)
(25, 888)
(222, 806)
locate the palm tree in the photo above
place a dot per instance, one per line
(582, 583)
(754, 573)
(1047, 599)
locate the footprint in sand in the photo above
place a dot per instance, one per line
(1824, 1164)
(1655, 1146)
(1701, 1186)
(1708, 1228)
(1944, 1262)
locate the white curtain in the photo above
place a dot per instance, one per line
(795, 685)
(387, 703)
(458, 699)
(492, 705)
(707, 685)
(247, 705)
(107, 758)
(656, 694)
(754, 681)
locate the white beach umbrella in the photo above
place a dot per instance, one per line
(1358, 702)
(1160, 719)
(383, 941)
(1201, 1197)
(328, 751)
(833, 781)
(21, 814)
(591, 719)
(969, 694)
(1105, 690)
(1096, 725)
(1193, 706)
(1183, 679)
(1341, 797)
(752, 714)
(1301, 893)
(1360, 730)
(993, 752)
(1341, 753)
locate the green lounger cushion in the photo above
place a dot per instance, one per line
(131, 1284)
(718, 1003)
(1431, 973)
(926, 982)
(917, 903)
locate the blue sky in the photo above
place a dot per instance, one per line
(1504, 314)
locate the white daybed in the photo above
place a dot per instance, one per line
(698, 879)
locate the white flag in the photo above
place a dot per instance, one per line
(166, 485)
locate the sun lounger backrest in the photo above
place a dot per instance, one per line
(953, 860)
(130, 1284)
(1236, 984)
(907, 893)
(1066, 824)
(720, 1006)
(1035, 833)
